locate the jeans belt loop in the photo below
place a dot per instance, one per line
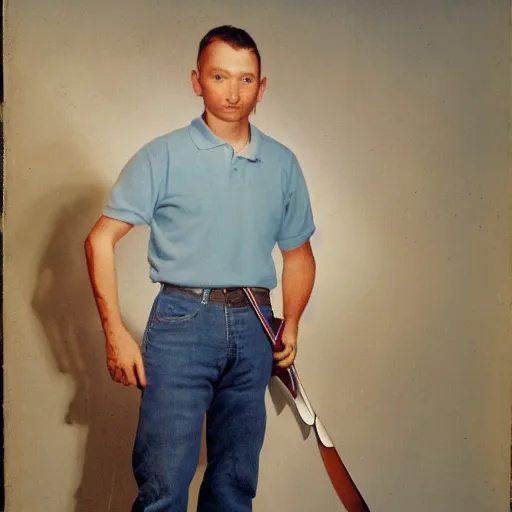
(206, 295)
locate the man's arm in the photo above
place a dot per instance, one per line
(124, 359)
(297, 283)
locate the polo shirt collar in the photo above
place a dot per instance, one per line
(204, 138)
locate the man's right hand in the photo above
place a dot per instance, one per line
(124, 359)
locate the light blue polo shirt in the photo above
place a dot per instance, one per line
(214, 216)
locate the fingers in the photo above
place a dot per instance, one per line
(141, 373)
(129, 378)
(286, 356)
(133, 375)
(115, 373)
(283, 354)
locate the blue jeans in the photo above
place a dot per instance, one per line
(201, 357)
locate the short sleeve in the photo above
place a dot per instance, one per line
(135, 193)
(297, 225)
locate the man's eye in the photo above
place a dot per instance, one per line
(217, 77)
(247, 80)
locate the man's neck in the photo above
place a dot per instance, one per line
(236, 134)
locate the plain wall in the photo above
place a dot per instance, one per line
(398, 113)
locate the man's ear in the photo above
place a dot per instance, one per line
(195, 83)
(262, 88)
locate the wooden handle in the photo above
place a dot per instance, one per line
(341, 480)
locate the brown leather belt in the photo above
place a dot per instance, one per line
(231, 297)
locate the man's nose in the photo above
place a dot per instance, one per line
(233, 93)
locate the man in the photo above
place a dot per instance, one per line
(217, 196)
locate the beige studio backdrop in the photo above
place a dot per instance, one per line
(398, 113)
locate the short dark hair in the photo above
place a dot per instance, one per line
(236, 37)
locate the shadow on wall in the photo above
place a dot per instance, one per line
(64, 306)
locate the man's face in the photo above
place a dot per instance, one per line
(227, 79)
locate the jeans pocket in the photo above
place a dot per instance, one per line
(172, 307)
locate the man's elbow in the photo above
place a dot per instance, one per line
(97, 238)
(91, 238)
(89, 243)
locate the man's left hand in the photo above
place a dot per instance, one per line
(285, 357)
